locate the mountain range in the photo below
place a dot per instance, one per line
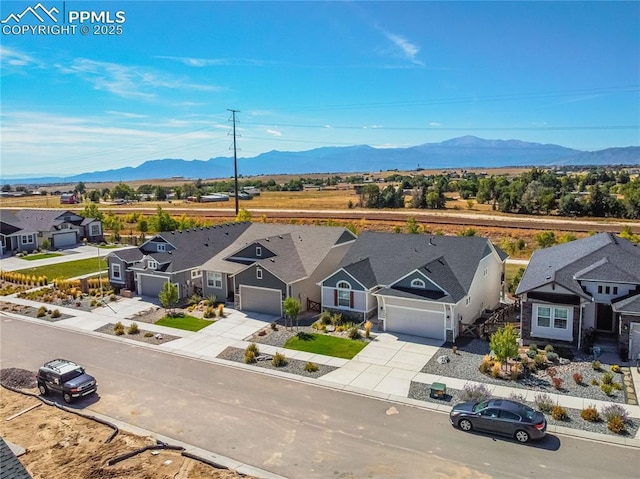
(463, 152)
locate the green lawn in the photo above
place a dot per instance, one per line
(327, 345)
(184, 321)
(34, 257)
(68, 269)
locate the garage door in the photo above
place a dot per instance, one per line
(65, 239)
(150, 285)
(634, 343)
(261, 300)
(428, 324)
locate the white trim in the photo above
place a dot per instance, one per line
(321, 283)
(418, 283)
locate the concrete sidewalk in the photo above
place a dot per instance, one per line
(384, 369)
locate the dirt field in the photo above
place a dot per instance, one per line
(61, 445)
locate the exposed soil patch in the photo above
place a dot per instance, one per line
(61, 445)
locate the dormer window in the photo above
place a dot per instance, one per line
(152, 264)
(258, 251)
(418, 283)
(161, 247)
(259, 273)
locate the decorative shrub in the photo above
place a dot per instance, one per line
(533, 347)
(596, 365)
(253, 347)
(56, 313)
(548, 348)
(606, 388)
(42, 311)
(325, 317)
(616, 425)
(616, 368)
(590, 414)
(220, 310)
(495, 369)
(612, 410)
(209, 312)
(274, 326)
(367, 330)
(595, 382)
(557, 383)
(552, 356)
(531, 353)
(559, 413)
(485, 365)
(311, 367)
(616, 386)
(475, 392)
(118, 329)
(517, 397)
(540, 361)
(577, 378)
(607, 378)
(133, 328)
(354, 332)
(543, 402)
(279, 360)
(148, 334)
(249, 357)
(515, 371)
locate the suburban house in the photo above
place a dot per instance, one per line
(270, 262)
(26, 230)
(69, 199)
(417, 284)
(587, 285)
(175, 256)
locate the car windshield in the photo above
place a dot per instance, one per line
(528, 412)
(72, 374)
(480, 406)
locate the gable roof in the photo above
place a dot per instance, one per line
(43, 220)
(194, 246)
(449, 261)
(10, 465)
(602, 257)
(298, 249)
(11, 224)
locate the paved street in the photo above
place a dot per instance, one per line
(290, 428)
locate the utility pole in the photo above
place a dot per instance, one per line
(235, 158)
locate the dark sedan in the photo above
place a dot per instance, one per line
(500, 416)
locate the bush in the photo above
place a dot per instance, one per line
(612, 410)
(557, 383)
(607, 378)
(495, 369)
(56, 313)
(354, 332)
(133, 328)
(303, 336)
(616, 386)
(42, 311)
(253, 347)
(148, 334)
(616, 425)
(533, 347)
(325, 317)
(274, 326)
(616, 368)
(118, 329)
(475, 392)
(319, 325)
(548, 348)
(595, 382)
(311, 367)
(559, 413)
(209, 312)
(606, 388)
(577, 378)
(485, 365)
(515, 371)
(590, 414)
(596, 365)
(220, 311)
(531, 353)
(540, 361)
(517, 397)
(279, 360)
(367, 329)
(553, 357)
(249, 357)
(543, 402)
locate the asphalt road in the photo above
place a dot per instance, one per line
(294, 429)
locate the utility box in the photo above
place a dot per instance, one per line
(438, 390)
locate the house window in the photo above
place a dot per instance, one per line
(615, 290)
(468, 301)
(544, 316)
(64, 226)
(152, 264)
(27, 239)
(161, 247)
(343, 294)
(486, 272)
(259, 273)
(116, 271)
(214, 280)
(417, 283)
(196, 273)
(607, 290)
(599, 289)
(560, 318)
(258, 251)
(95, 230)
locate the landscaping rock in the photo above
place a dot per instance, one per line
(443, 359)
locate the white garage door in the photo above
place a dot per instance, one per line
(261, 300)
(634, 343)
(427, 324)
(65, 239)
(150, 285)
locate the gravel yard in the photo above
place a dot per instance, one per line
(141, 335)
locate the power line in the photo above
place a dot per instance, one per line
(235, 158)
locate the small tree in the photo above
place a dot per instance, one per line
(504, 343)
(169, 296)
(292, 309)
(243, 215)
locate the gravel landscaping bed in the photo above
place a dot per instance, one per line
(293, 366)
(421, 392)
(18, 378)
(140, 336)
(32, 312)
(465, 365)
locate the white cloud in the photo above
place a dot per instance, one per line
(207, 62)
(274, 132)
(435, 123)
(15, 58)
(125, 114)
(406, 48)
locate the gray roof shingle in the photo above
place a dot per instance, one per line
(10, 465)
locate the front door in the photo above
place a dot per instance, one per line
(604, 317)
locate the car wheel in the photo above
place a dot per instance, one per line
(522, 436)
(465, 425)
(43, 389)
(67, 398)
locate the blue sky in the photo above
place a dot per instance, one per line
(310, 74)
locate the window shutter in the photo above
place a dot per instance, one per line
(335, 297)
(351, 299)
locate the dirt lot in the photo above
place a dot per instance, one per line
(62, 445)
